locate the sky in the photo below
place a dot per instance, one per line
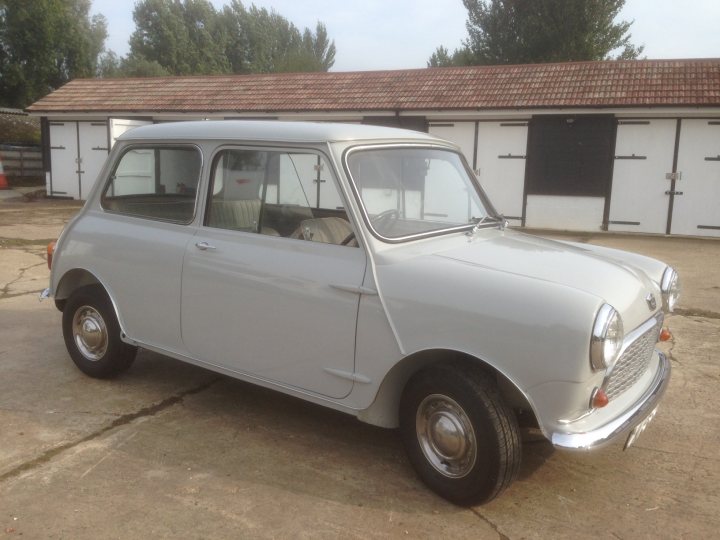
(398, 34)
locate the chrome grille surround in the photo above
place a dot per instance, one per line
(634, 358)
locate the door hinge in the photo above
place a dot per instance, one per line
(354, 289)
(671, 192)
(673, 176)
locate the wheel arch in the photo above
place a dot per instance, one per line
(74, 279)
(384, 411)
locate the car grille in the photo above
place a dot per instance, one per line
(633, 362)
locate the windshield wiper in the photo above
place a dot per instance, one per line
(499, 220)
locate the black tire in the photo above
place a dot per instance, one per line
(92, 334)
(460, 436)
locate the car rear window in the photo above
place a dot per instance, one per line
(156, 182)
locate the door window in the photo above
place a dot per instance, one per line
(277, 193)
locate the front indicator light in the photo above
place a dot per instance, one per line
(665, 335)
(599, 399)
(50, 253)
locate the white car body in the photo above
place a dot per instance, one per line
(346, 328)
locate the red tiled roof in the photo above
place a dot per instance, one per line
(639, 83)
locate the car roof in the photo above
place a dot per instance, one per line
(272, 130)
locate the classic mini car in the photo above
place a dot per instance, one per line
(364, 269)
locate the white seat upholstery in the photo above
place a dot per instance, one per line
(330, 230)
(241, 215)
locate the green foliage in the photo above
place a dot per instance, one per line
(182, 37)
(536, 31)
(110, 65)
(44, 44)
(190, 37)
(19, 129)
(442, 58)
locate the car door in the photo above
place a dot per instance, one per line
(269, 290)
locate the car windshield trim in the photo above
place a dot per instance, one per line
(490, 220)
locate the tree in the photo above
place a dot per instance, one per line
(190, 37)
(182, 37)
(535, 31)
(110, 65)
(262, 41)
(44, 44)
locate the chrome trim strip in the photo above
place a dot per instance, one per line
(640, 410)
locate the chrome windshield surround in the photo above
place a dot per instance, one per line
(497, 218)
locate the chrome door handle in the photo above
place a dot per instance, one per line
(204, 246)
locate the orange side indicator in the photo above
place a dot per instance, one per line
(50, 252)
(600, 399)
(665, 335)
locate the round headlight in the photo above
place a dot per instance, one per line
(607, 338)
(670, 287)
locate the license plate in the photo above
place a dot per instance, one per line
(637, 430)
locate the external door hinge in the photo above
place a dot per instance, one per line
(354, 289)
(673, 176)
(671, 192)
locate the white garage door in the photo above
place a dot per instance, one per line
(643, 156)
(697, 210)
(501, 156)
(63, 158)
(77, 153)
(461, 133)
(118, 126)
(93, 137)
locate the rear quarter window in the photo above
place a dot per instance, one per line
(155, 182)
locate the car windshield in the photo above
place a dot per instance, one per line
(411, 191)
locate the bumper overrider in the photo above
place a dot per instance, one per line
(642, 410)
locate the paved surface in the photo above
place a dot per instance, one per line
(171, 450)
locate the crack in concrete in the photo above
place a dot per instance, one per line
(692, 312)
(5, 291)
(150, 410)
(7, 296)
(57, 411)
(673, 453)
(493, 525)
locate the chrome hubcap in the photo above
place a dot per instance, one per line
(90, 333)
(446, 436)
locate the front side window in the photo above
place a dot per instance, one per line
(155, 182)
(410, 191)
(277, 193)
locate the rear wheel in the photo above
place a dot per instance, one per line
(460, 436)
(92, 334)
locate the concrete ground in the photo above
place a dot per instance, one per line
(172, 450)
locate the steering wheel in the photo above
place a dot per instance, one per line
(390, 215)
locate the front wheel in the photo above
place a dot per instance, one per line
(460, 436)
(92, 334)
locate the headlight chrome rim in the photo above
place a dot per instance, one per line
(670, 288)
(607, 338)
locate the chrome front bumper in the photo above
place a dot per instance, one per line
(634, 415)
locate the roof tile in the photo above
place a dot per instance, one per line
(575, 84)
